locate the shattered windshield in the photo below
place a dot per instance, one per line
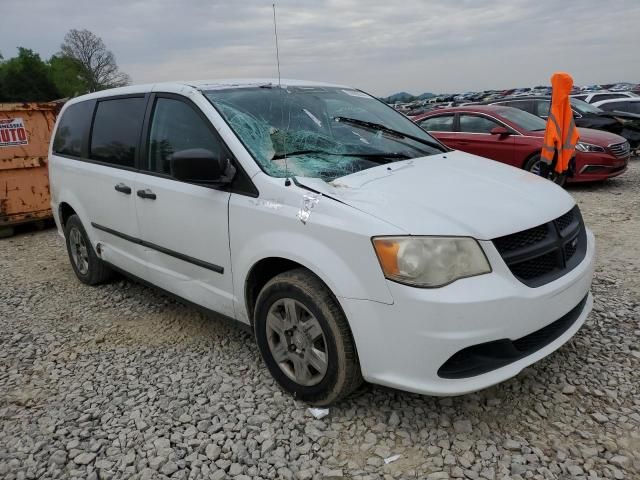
(323, 132)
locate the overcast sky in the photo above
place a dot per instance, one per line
(380, 46)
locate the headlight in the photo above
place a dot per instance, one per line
(588, 147)
(430, 261)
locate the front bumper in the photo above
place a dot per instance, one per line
(592, 167)
(403, 345)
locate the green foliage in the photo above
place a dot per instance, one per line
(84, 65)
(26, 78)
(67, 75)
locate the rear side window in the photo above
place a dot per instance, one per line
(116, 130)
(442, 123)
(475, 124)
(542, 108)
(72, 128)
(609, 107)
(580, 97)
(176, 126)
(631, 107)
(605, 96)
(526, 105)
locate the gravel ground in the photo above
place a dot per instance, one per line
(121, 382)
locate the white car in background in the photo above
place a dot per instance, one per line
(594, 97)
(353, 243)
(627, 105)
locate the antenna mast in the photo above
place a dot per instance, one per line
(287, 182)
(275, 31)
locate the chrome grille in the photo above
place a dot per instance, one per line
(620, 150)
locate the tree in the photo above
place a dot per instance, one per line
(26, 78)
(98, 65)
(67, 75)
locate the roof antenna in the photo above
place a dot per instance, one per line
(287, 181)
(275, 32)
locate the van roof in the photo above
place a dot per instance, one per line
(203, 85)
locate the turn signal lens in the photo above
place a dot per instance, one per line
(430, 261)
(387, 251)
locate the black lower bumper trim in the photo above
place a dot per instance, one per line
(485, 357)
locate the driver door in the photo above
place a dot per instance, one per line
(183, 226)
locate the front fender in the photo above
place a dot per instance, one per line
(332, 244)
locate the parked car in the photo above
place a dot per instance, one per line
(585, 115)
(512, 136)
(354, 244)
(620, 105)
(594, 97)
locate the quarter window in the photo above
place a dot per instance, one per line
(442, 123)
(175, 127)
(116, 130)
(476, 124)
(72, 128)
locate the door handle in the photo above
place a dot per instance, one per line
(146, 193)
(463, 143)
(122, 188)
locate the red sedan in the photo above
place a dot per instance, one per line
(513, 136)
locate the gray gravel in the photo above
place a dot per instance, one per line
(121, 382)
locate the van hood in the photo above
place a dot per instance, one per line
(454, 193)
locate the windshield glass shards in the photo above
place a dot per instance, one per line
(302, 130)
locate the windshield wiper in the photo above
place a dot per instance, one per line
(378, 127)
(369, 155)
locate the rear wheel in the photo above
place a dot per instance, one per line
(305, 340)
(535, 166)
(87, 266)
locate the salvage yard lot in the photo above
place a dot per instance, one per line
(120, 381)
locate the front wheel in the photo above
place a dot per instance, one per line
(305, 340)
(535, 166)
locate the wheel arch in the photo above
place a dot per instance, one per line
(529, 157)
(264, 270)
(64, 212)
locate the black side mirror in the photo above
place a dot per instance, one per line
(198, 165)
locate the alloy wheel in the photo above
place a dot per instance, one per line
(536, 168)
(296, 342)
(79, 253)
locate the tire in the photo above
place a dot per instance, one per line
(317, 330)
(85, 263)
(531, 165)
(6, 232)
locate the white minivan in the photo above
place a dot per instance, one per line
(354, 244)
